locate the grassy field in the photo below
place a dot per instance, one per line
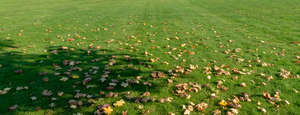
(70, 56)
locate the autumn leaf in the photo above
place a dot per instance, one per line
(201, 106)
(4, 91)
(70, 39)
(64, 48)
(75, 76)
(243, 84)
(124, 84)
(157, 74)
(47, 93)
(119, 103)
(223, 103)
(14, 107)
(108, 110)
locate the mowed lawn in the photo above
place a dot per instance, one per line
(152, 57)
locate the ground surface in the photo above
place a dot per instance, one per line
(54, 54)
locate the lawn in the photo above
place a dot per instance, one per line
(152, 57)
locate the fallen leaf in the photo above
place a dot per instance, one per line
(47, 93)
(243, 84)
(201, 106)
(124, 84)
(14, 107)
(187, 112)
(157, 74)
(119, 103)
(223, 103)
(75, 76)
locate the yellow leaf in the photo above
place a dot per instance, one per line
(119, 103)
(108, 110)
(75, 76)
(223, 103)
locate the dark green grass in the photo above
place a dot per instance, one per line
(31, 29)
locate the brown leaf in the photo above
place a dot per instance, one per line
(70, 39)
(295, 42)
(157, 74)
(146, 94)
(191, 53)
(266, 95)
(125, 112)
(201, 106)
(243, 84)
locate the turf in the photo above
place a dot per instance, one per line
(144, 36)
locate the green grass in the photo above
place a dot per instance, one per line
(30, 30)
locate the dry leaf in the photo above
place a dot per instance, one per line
(119, 103)
(201, 106)
(14, 107)
(223, 103)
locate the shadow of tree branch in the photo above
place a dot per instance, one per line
(78, 73)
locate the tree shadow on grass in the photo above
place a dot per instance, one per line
(76, 72)
(6, 44)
